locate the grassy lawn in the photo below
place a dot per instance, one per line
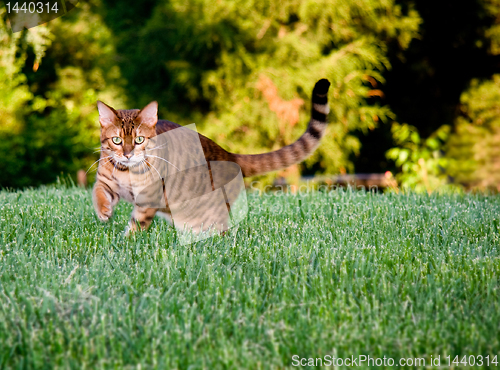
(341, 274)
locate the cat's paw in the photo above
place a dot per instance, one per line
(104, 214)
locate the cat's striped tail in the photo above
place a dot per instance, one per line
(255, 164)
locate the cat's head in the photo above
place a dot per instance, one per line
(125, 133)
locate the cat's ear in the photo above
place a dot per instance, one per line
(148, 116)
(107, 115)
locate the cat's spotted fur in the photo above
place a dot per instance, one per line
(113, 180)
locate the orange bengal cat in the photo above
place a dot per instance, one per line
(125, 133)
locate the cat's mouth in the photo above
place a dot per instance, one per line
(123, 164)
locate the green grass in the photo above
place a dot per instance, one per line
(340, 274)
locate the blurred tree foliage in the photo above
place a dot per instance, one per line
(228, 65)
(422, 161)
(50, 77)
(474, 148)
(450, 83)
(243, 71)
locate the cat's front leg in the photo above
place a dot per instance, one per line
(141, 218)
(104, 199)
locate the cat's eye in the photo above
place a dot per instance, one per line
(139, 139)
(116, 140)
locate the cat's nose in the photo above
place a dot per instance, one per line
(128, 155)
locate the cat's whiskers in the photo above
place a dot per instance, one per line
(97, 147)
(154, 169)
(92, 165)
(109, 160)
(163, 159)
(142, 168)
(157, 147)
(147, 169)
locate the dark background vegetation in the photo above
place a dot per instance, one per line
(425, 83)
(414, 85)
